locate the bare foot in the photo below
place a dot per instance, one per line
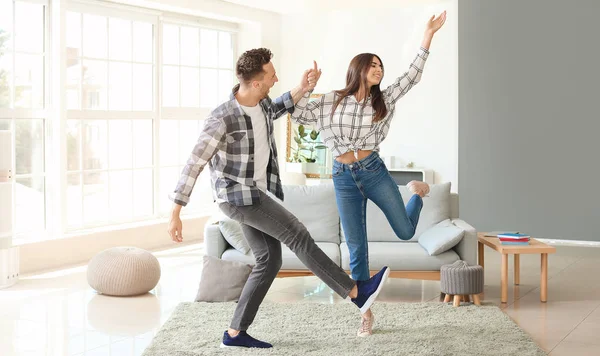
(418, 187)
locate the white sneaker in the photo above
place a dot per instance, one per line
(418, 187)
(366, 327)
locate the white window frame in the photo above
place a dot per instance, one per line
(131, 14)
(56, 115)
(15, 114)
(183, 113)
(186, 113)
(157, 18)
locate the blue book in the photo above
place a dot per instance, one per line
(514, 243)
(495, 233)
(511, 235)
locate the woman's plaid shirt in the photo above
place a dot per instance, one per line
(351, 127)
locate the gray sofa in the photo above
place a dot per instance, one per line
(316, 208)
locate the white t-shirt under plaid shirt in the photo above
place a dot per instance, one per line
(262, 150)
(351, 127)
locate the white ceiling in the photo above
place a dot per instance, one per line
(279, 6)
(293, 6)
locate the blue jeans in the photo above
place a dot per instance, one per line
(365, 179)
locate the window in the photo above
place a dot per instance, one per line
(197, 66)
(135, 90)
(197, 75)
(110, 64)
(22, 104)
(110, 96)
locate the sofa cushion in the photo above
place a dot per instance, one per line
(436, 208)
(408, 256)
(441, 237)
(290, 261)
(222, 281)
(232, 232)
(315, 207)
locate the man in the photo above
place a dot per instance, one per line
(238, 145)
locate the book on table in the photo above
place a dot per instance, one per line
(513, 239)
(502, 239)
(514, 243)
(496, 233)
(510, 235)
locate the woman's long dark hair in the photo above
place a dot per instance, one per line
(357, 76)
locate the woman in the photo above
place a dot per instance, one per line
(353, 122)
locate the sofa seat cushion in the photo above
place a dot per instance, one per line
(409, 256)
(290, 261)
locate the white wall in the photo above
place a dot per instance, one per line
(425, 127)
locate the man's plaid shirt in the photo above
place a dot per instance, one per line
(226, 144)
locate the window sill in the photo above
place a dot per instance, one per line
(38, 237)
(79, 247)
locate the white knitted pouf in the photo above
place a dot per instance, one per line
(123, 271)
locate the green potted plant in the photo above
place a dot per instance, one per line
(303, 157)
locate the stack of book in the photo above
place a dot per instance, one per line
(513, 239)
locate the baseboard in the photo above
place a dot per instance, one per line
(9, 266)
(77, 250)
(570, 242)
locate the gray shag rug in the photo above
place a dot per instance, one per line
(330, 329)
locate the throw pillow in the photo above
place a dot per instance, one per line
(232, 232)
(222, 281)
(441, 237)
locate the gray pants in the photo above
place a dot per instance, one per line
(265, 226)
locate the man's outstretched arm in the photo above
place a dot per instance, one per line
(288, 100)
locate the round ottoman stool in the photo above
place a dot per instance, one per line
(123, 271)
(461, 281)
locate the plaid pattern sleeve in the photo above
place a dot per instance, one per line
(404, 83)
(306, 112)
(210, 141)
(280, 106)
(351, 126)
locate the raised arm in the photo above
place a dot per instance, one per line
(306, 112)
(286, 102)
(409, 79)
(210, 141)
(281, 105)
(406, 81)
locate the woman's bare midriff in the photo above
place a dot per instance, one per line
(349, 157)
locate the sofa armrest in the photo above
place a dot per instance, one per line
(214, 242)
(467, 247)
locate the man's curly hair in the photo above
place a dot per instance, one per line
(250, 64)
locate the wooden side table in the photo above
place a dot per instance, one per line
(534, 247)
